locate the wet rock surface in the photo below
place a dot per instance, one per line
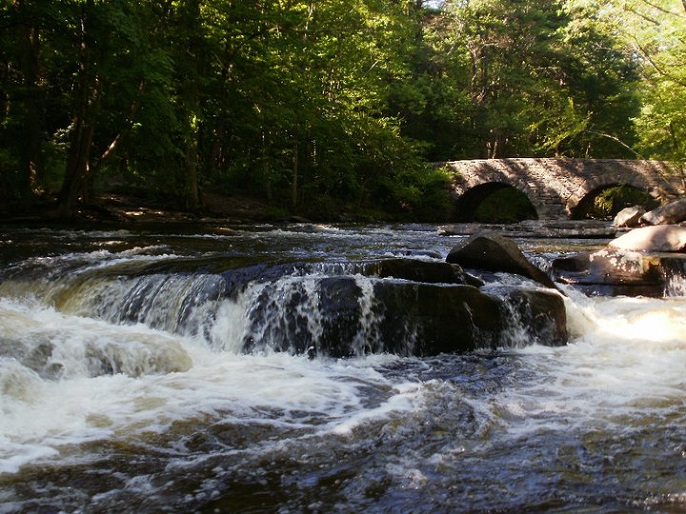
(609, 273)
(493, 252)
(585, 229)
(404, 307)
(640, 263)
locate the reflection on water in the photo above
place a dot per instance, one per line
(106, 407)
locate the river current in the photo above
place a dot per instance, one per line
(124, 388)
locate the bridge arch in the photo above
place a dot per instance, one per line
(608, 177)
(555, 186)
(496, 202)
(621, 195)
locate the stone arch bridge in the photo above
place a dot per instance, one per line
(556, 186)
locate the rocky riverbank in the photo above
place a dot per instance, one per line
(641, 262)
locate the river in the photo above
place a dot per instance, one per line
(124, 391)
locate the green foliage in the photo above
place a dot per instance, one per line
(325, 106)
(540, 80)
(655, 35)
(610, 201)
(420, 194)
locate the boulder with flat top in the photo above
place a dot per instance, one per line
(629, 217)
(491, 251)
(660, 238)
(404, 307)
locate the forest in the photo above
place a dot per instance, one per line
(320, 106)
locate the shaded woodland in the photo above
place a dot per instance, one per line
(320, 106)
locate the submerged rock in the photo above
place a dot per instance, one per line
(492, 252)
(583, 229)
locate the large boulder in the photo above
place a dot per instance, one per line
(426, 319)
(542, 317)
(344, 316)
(611, 273)
(641, 262)
(674, 212)
(661, 238)
(629, 217)
(492, 252)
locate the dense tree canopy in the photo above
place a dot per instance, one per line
(655, 31)
(313, 105)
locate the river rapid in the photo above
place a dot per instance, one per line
(124, 387)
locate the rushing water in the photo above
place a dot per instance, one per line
(123, 388)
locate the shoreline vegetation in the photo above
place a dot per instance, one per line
(119, 207)
(507, 208)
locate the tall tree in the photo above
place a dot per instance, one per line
(538, 80)
(103, 93)
(23, 22)
(655, 30)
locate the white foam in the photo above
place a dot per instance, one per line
(627, 355)
(40, 415)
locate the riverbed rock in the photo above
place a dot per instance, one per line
(661, 238)
(493, 252)
(611, 273)
(674, 212)
(629, 216)
(346, 316)
(620, 272)
(578, 229)
(432, 272)
(426, 319)
(541, 315)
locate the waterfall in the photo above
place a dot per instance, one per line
(339, 309)
(174, 375)
(674, 271)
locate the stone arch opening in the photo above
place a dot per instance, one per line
(604, 202)
(494, 202)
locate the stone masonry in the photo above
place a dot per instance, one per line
(555, 186)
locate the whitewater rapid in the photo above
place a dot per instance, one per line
(174, 416)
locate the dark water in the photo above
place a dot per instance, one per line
(155, 408)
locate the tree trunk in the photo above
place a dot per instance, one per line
(28, 37)
(191, 171)
(78, 171)
(78, 168)
(294, 189)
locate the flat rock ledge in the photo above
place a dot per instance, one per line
(400, 306)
